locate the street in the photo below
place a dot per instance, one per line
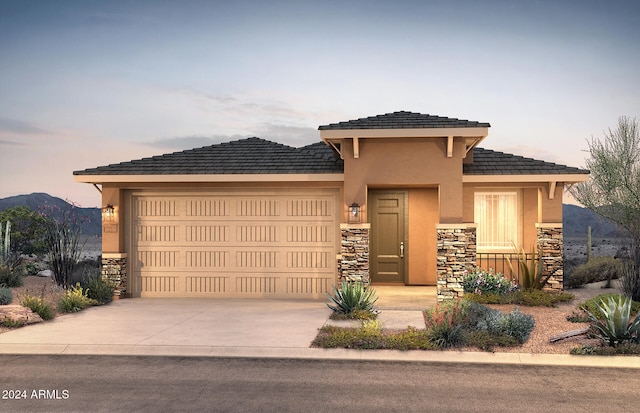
(39, 383)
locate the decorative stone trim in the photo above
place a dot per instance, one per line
(114, 269)
(456, 255)
(353, 260)
(549, 245)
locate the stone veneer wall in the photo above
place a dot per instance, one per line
(549, 245)
(353, 261)
(114, 269)
(456, 254)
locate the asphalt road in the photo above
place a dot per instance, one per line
(171, 384)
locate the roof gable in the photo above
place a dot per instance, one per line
(404, 120)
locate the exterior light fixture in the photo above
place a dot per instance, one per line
(354, 213)
(108, 213)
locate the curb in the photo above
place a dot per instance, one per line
(525, 359)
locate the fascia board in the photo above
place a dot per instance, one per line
(211, 178)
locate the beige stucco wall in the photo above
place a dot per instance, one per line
(422, 251)
(405, 163)
(534, 205)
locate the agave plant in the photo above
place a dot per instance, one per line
(352, 296)
(614, 326)
(530, 276)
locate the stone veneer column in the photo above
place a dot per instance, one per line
(549, 245)
(114, 269)
(456, 254)
(353, 260)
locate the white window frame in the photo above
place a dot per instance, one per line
(505, 229)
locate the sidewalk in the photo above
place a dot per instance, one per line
(264, 328)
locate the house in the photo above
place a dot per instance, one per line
(400, 198)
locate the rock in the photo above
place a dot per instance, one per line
(18, 313)
(45, 273)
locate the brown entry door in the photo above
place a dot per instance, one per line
(388, 241)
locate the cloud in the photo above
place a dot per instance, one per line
(288, 134)
(20, 127)
(11, 143)
(190, 142)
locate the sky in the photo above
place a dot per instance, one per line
(88, 83)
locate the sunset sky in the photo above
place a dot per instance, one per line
(87, 83)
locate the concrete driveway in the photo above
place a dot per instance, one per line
(181, 322)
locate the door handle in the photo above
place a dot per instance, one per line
(401, 249)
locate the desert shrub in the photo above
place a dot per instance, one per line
(74, 300)
(530, 298)
(613, 324)
(592, 304)
(485, 340)
(597, 269)
(352, 296)
(630, 279)
(10, 323)
(446, 322)
(371, 337)
(6, 296)
(486, 282)
(10, 278)
(34, 267)
(98, 289)
(39, 306)
(622, 349)
(514, 324)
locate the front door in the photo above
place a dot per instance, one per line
(388, 241)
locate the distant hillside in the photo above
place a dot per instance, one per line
(576, 220)
(92, 221)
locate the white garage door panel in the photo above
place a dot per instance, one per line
(234, 244)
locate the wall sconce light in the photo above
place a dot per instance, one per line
(354, 213)
(108, 213)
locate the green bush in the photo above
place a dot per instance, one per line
(9, 323)
(592, 305)
(9, 278)
(371, 337)
(446, 322)
(514, 324)
(352, 296)
(34, 267)
(530, 298)
(486, 282)
(39, 306)
(74, 300)
(98, 289)
(6, 296)
(597, 269)
(485, 340)
(622, 349)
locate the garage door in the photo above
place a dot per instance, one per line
(250, 243)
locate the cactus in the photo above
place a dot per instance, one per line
(5, 244)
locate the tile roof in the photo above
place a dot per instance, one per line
(244, 156)
(404, 120)
(260, 156)
(488, 162)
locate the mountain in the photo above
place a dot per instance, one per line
(90, 217)
(576, 220)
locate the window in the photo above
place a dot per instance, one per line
(496, 215)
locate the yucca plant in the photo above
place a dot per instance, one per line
(530, 276)
(614, 326)
(352, 296)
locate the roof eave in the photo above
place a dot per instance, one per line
(566, 178)
(479, 132)
(99, 179)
